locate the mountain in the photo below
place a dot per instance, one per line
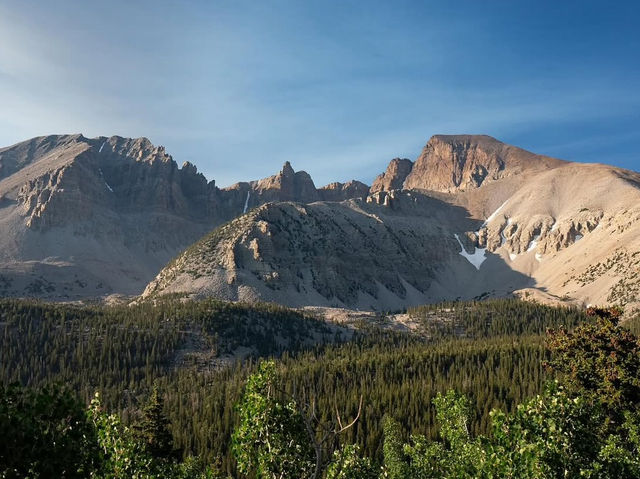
(470, 218)
(83, 218)
(393, 178)
(358, 254)
(451, 163)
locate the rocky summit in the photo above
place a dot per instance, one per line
(85, 218)
(471, 217)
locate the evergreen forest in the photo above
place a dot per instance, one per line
(173, 388)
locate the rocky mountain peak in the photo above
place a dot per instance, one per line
(461, 162)
(288, 185)
(395, 175)
(287, 169)
(190, 168)
(337, 191)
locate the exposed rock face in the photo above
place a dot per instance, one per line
(343, 191)
(287, 185)
(450, 163)
(339, 254)
(504, 221)
(394, 177)
(88, 217)
(472, 217)
(14, 158)
(110, 212)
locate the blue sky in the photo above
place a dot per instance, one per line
(337, 88)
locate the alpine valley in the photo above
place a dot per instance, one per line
(471, 217)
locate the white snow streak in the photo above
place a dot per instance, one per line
(246, 203)
(555, 226)
(533, 243)
(105, 181)
(101, 147)
(539, 257)
(477, 258)
(493, 215)
(480, 254)
(579, 237)
(512, 256)
(504, 238)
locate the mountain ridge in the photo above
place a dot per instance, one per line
(90, 217)
(525, 221)
(84, 217)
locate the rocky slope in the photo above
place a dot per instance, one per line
(394, 177)
(473, 218)
(84, 217)
(451, 163)
(360, 254)
(470, 218)
(343, 191)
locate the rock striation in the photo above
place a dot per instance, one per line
(470, 218)
(394, 177)
(451, 163)
(343, 191)
(108, 213)
(352, 254)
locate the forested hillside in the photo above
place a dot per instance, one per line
(491, 351)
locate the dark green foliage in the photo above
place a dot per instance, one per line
(553, 435)
(599, 360)
(153, 429)
(94, 348)
(120, 454)
(44, 433)
(557, 434)
(49, 433)
(123, 351)
(482, 319)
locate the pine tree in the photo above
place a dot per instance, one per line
(153, 429)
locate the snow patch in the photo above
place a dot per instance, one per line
(533, 243)
(477, 258)
(246, 202)
(493, 215)
(539, 257)
(504, 238)
(105, 181)
(579, 237)
(555, 225)
(102, 146)
(512, 256)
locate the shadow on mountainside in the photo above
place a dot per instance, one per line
(393, 250)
